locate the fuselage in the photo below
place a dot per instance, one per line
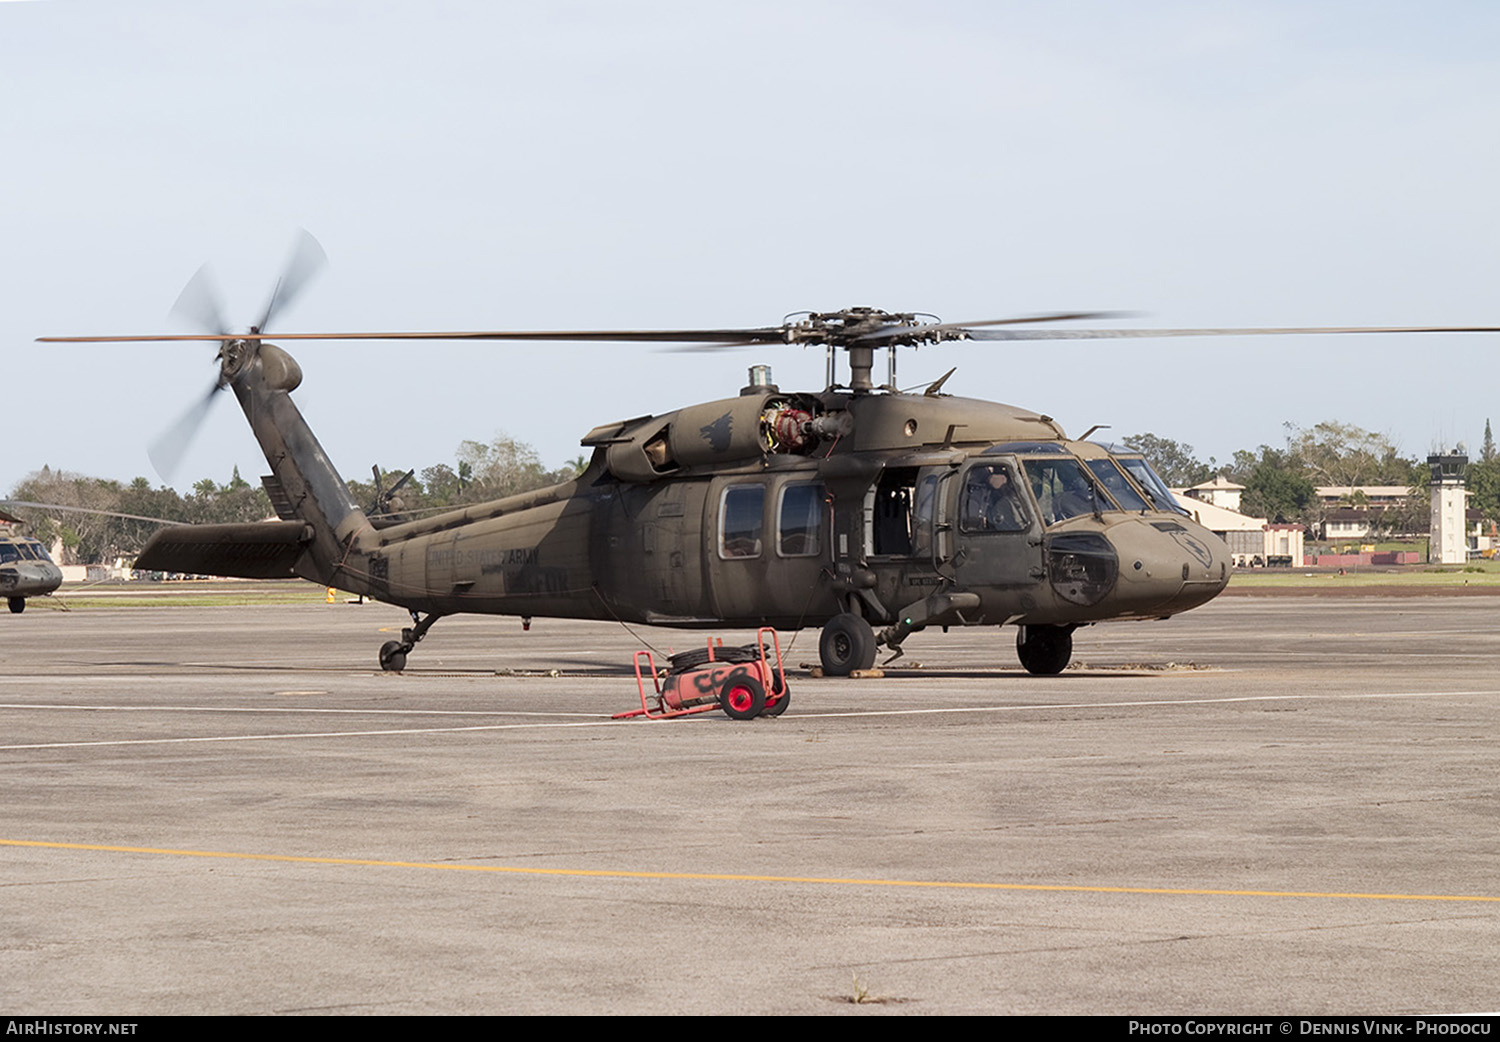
(788, 509)
(879, 522)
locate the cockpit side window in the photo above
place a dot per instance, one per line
(8, 553)
(992, 501)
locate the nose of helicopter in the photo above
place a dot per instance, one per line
(34, 577)
(1168, 564)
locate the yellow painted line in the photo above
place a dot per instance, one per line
(601, 873)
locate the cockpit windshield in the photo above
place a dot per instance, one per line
(1155, 487)
(1119, 487)
(1145, 476)
(22, 550)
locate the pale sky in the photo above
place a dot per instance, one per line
(474, 165)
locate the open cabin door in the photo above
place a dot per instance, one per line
(907, 538)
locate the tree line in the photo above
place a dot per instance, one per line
(96, 532)
(1280, 482)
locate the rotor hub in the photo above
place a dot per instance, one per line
(233, 356)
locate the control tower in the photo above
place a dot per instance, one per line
(1448, 542)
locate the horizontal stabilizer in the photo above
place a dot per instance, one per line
(265, 550)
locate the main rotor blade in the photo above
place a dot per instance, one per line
(772, 334)
(306, 261)
(1113, 334)
(86, 510)
(198, 303)
(403, 480)
(171, 445)
(895, 331)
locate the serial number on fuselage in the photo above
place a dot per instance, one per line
(451, 558)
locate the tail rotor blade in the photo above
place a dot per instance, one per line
(306, 261)
(167, 451)
(198, 303)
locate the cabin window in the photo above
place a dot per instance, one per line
(741, 519)
(799, 520)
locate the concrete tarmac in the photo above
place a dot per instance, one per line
(1267, 806)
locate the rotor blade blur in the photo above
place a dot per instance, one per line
(198, 303)
(306, 261)
(695, 349)
(167, 451)
(1114, 334)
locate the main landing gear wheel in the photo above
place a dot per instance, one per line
(847, 644)
(392, 656)
(17, 605)
(1044, 650)
(743, 697)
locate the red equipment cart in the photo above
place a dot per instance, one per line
(738, 680)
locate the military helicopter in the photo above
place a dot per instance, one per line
(25, 568)
(864, 510)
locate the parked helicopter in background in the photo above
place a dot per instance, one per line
(861, 509)
(25, 568)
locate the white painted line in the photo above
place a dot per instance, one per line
(286, 710)
(612, 723)
(1152, 702)
(323, 734)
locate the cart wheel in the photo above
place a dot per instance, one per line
(778, 707)
(742, 697)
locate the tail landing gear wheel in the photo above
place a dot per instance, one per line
(17, 605)
(847, 644)
(393, 652)
(1044, 650)
(392, 656)
(743, 697)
